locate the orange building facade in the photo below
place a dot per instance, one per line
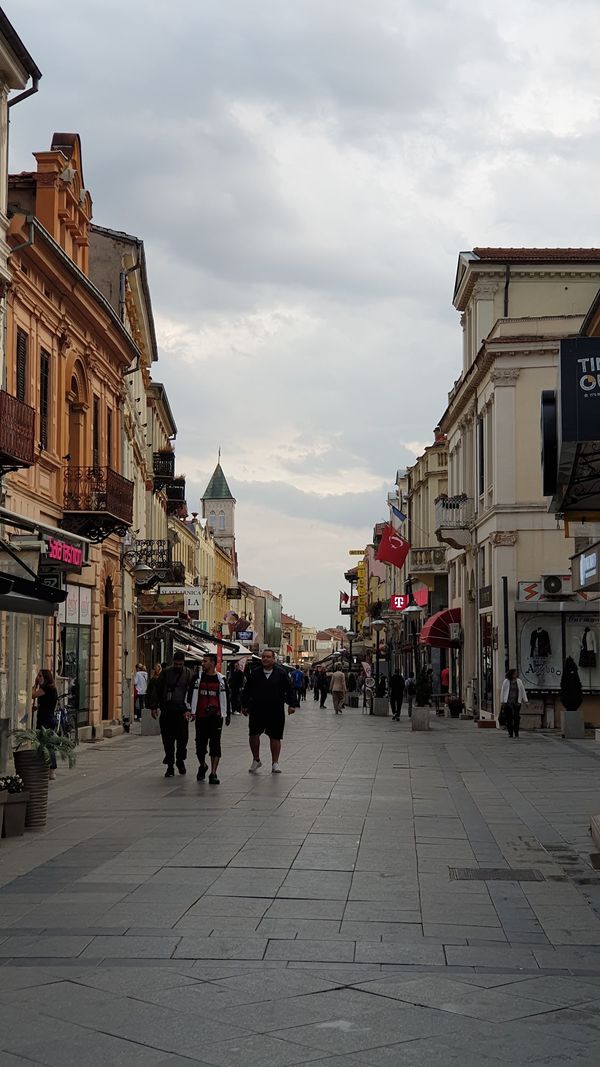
(67, 352)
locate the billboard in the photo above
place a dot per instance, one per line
(272, 623)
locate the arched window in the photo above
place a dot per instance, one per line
(221, 520)
(212, 520)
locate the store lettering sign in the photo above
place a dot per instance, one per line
(64, 552)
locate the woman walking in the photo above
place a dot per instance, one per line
(512, 695)
(45, 692)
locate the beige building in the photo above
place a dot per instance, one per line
(309, 644)
(515, 305)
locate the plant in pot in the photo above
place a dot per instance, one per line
(455, 706)
(13, 798)
(571, 695)
(33, 751)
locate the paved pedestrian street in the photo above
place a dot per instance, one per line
(312, 917)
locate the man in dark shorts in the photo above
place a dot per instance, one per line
(208, 696)
(267, 692)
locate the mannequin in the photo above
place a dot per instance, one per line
(540, 643)
(587, 649)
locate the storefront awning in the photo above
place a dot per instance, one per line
(436, 630)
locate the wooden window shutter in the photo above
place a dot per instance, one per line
(22, 346)
(44, 398)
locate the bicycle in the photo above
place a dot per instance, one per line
(66, 721)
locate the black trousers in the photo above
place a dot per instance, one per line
(513, 719)
(396, 703)
(208, 736)
(174, 730)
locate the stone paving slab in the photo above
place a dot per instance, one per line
(308, 918)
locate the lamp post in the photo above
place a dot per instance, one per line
(412, 611)
(378, 625)
(350, 634)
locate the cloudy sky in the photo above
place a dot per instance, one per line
(303, 174)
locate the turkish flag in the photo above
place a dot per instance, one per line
(393, 548)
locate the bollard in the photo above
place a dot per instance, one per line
(420, 719)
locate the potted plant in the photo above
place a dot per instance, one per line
(32, 763)
(14, 805)
(455, 706)
(571, 695)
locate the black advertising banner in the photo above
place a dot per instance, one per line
(579, 392)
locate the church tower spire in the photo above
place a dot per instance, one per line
(218, 508)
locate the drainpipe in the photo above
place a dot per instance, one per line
(33, 88)
(506, 285)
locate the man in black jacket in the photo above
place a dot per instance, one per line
(171, 696)
(267, 691)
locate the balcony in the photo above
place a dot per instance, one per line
(427, 560)
(163, 467)
(157, 555)
(17, 433)
(98, 502)
(176, 502)
(454, 516)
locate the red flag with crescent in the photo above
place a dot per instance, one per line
(393, 548)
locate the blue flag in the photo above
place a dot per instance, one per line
(399, 514)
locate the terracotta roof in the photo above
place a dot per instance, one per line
(538, 255)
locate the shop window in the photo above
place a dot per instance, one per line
(44, 398)
(22, 348)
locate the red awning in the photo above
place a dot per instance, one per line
(436, 630)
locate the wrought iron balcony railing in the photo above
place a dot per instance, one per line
(17, 432)
(155, 554)
(98, 502)
(163, 466)
(176, 502)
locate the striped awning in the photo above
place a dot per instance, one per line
(436, 630)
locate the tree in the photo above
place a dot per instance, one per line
(570, 686)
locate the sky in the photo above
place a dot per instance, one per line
(304, 174)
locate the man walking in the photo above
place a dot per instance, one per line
(323, 686)
(267, 692)
(396, 694)
(208, 697)
(337, 689)
(140, 686)
(298, 684)
(171, 695)
(410, 689)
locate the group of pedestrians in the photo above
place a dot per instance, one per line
(181, 697)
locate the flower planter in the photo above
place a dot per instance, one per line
(455, 707)
(34, 772)
(486, 724)
(15, 811)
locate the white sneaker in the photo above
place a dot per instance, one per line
(275, 769)
(255, 766)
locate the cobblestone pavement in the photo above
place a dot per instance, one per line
(310, 917)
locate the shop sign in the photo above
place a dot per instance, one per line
(585, 568)
(64, 552)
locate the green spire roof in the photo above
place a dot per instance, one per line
(217, 488)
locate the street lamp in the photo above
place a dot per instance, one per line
(412, 611)
(378, 625)
(350, 634)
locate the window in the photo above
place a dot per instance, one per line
(44, 398)
(96, 433)
(109, 441)
(212, 520)
(22, 347)
(481, 455)
(221, 520)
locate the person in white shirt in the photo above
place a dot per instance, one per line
(512, 695)
(140, 686)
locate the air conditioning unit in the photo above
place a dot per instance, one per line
(554, 584)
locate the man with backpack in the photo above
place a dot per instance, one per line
(171, 696)
(410, 691)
